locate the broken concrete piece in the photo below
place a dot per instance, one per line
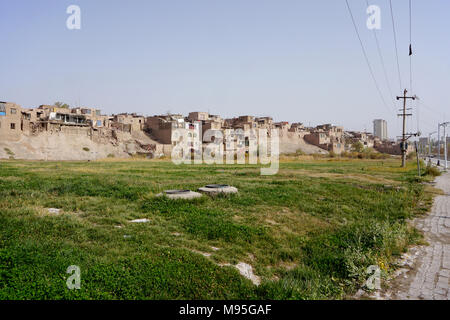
(179, 194)
(246, 270)
(140, 220)
(213, 189)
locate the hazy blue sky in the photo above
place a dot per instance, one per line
(294, 60)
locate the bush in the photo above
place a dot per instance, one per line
(351, 155)
(376, 155)
(86, 149)
(10, 153)
(357, 146)
(368, 153)
(432, 171)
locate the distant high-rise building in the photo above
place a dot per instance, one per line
(380, 129)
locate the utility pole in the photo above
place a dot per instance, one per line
(429, 143)
(445, 124)
(445, 145)
(404, 134)
(439, 145)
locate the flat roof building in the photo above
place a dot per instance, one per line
(380, 129)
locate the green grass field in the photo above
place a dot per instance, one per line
(309, 232)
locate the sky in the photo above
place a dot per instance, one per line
(294, 60)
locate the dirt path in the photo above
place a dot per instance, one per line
(429, 267)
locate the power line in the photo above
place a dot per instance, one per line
(382, 62)
(435, 111)
(429, 124)
(395, 44)
(365, 56)
(410, 46)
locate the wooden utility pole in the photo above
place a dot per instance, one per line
(404, 134)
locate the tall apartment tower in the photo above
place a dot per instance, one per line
(380, 129)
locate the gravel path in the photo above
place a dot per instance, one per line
(429, 272)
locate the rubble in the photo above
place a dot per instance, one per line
(246, 270)
(140, 220)
(54, 211)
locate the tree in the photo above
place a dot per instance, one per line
(357, 146)
(61, 105)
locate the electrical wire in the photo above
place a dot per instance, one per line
(382, 63)
(395, 44)
(366, 57)
(410, 47)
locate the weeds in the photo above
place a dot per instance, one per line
(329, 220)
(432, 171)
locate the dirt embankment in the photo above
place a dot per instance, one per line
(82, 145)
(62, 146)
(290, 143)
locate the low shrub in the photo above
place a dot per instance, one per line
(9, 152)
(432, 171)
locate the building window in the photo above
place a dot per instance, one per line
(13, 126)
(13, 111)
(2, 109)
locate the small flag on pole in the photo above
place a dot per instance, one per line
(410, 50)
